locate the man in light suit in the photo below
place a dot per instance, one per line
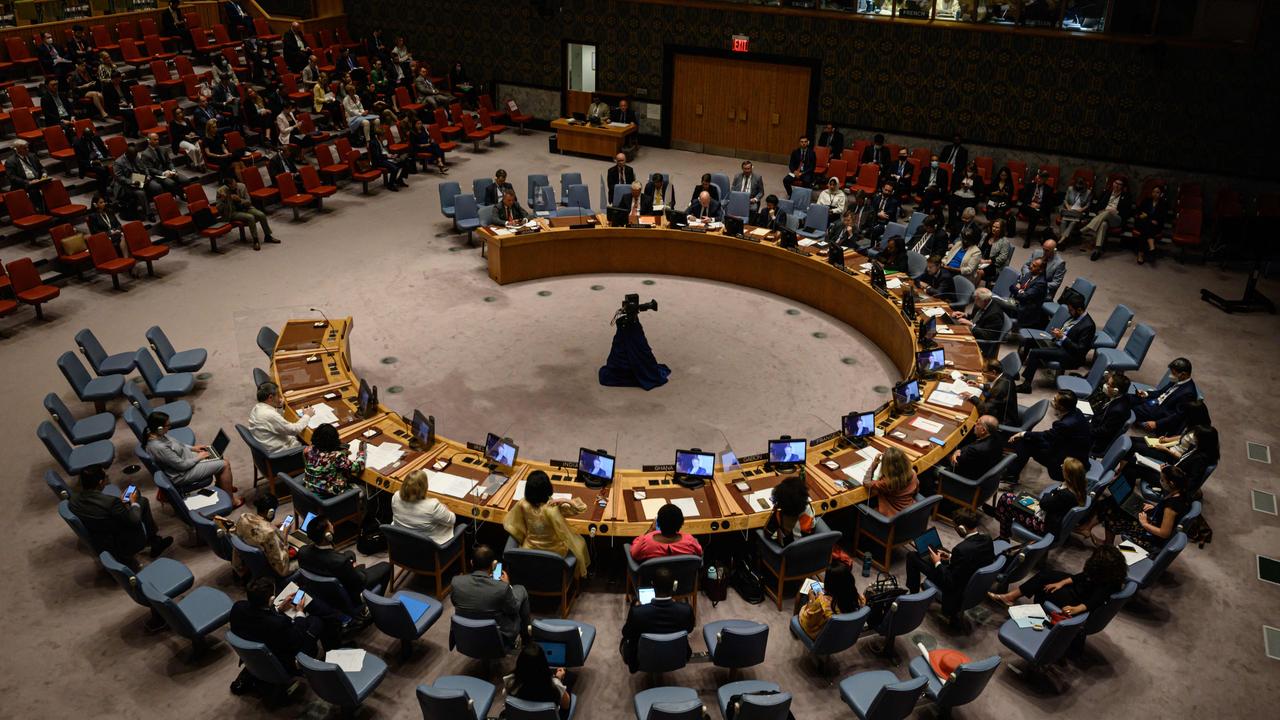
(620, 174)
(833, 140)
(1163, 410)
(750, 183)
(1055, 266)
(159, 166)
(479, 596)
(704, 209)
(662, 615)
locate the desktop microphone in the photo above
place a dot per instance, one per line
(326, 317)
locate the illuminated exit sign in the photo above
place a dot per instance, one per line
(741, 43)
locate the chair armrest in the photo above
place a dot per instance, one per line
(953, 477)
(773, 548)
(633, 567)
(1009, 429)
(872, 514)
(349, 496)
(286, 454)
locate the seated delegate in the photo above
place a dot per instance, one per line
(534, 680)
(1103, 575)
(665, 539)
(120, 525)
(1053, 508)
(257, 618)
(413, 509)
(660, 616)
(328, 466)
(895, 488)
(792, 517)
(189, 467)
(255, 530)
(481, 596)
(950, 570)
(839, 595)
(536, 523)
(268, 426)
(321, 558)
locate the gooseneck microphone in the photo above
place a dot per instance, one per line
(326, 317)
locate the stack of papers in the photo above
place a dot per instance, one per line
(555, 496)
(1131, 552)
(500, 231)
(857, 471)
(760, 232)
(945, 399)
(446, 484)
(960, 388)
(619, 125)
(688, 506)
(377, 456)
(347, 659)
(807, 242)
(323, 415)
(893, 283)
(1028, 615)
(934, 311)
(200, 502)
(1147, 462)
(944, 330)
(927, 425)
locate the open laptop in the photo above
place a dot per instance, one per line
(219, 445)
(1125, 498)
(929, 539)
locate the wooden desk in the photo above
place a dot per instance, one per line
(603, 141)
(615, 511)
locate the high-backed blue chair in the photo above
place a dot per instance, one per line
(1020, 565)
(1004, 282)
(534, 183)
(668, 703)
(815, 223)
(917, 219)
(1116, 451)
(1084, 286)
(545, 204)
(904, 615)
(1109, 335)
(840, 633)
(886, 533)
(466, 214)
(413, 552)
(212, 534)
(197, 614)
(80, 430)
(579, 196)
(1097, 619)
(802, 558)
(518, 709)
(74, 459)
(1145, 571)
(58, 485)
(478, 188)
(266, 340)
(334, 685)
(1040, 648)
(739, 205)
(1011, 364)
(1135, 350)
(179, 411)
(975, 591)
(161, 385)
(261, 663)
(90, 389)
(394, 616)
(721, 181)
(175, 361)
(260, 376)
(1057, 319)
(345, 508)
(168, 576)
(77, 526)
(268, 463)
(456, 697)
(178, 501)
(448, 191)
(577, 638)
(543, 574)
(662, 652)
(970, 492)
(1070, 521)
(620, 193)
(880, 695)
(800, 198)
(568, 180)
(896, 229)
(686, 570)
(916, 264)
(962, 687)
(1028, 418)
(736, 644)
(1087, 385)
(477, 639)
(964, 292)
(756, 700)
(102, 362)
(256, 561)
(989, 348)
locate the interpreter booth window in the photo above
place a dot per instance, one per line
(1030, 13)
(582, 67)
(1085, 15)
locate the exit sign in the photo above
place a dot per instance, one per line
(741, 43)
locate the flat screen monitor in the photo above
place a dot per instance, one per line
(733, 226)
(786, 450)
(859, 425)
(906, 393)
(787, 238)
(596, 464)
(676, 218)
(931, 361)
(363, 398)
(424, 428)
(695, 464)
(928, 330)
(500, 451)
(617, 216)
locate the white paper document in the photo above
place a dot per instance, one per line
(1028, 615)
(1147, 462)
(893, 283)
(807, 242)
(287, 593)
(1132, 553)
(347, 659)
(500, 231)
(555, 496)
(934, 312)
(760, 500)
(451, 485)
(200, 502)
(377, 456)
(944, 330)
(1085, 407)
(323, 414)
(619, 125)
(945, 399)
(688, 506)
(927, 425)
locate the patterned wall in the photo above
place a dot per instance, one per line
(1186, 108)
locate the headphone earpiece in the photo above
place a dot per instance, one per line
(271, 514)
(328, 537)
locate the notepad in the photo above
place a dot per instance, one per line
(555, 496)
(927, 425)
(945, 399)
(934, 312)
(688, 506)
(347, 659)
(760, 232)
(451, 485)
(501, 231)
(417, 608)
(944, 330)
(323, 415)
(288, 592)
(199, 502)
(1147, 462)
(1028, 615)
(1132, 553)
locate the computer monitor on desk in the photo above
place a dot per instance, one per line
(928, 331)
(595, 468)
(931, 361)
(617, 216)
(500, 451)
(905, 396)
(694, 467)
(675, 218)
(424, 429)
(733, 226)
(786, 451)
(364, 399)
(857, 426)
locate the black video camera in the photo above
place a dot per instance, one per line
(632, 307)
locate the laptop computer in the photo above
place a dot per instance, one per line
(1125, 498)
(219, 445)
(928, 540)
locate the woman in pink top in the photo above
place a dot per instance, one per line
(666, 538)
(895, 489)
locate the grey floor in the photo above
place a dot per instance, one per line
(525, 363)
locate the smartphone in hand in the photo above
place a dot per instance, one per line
(129, 493)
(497, 571)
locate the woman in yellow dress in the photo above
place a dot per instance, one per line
(536, 523)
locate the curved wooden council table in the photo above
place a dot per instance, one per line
(312, 361)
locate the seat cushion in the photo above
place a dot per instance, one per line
(1024, 641)
(7, 306)
(800, 633)
(101, 452)
(920, 668)
(860, 691)
(646, 699)
(102, 388)
(118, 364)
(175, 384)
(94, 427)
(742, 687)
(368, 676)
(118, 265)
(38, 294)
(206, 608)
(188, 360)
(299, 199)
(31, 221)
(217, 230)
(480, 691)
(179, 412)
(168, 576)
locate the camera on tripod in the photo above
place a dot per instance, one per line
(632, 307)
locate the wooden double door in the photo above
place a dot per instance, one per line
(737, 107)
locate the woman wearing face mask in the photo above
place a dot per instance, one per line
(1000, 195)
(1074, 204)
(967, 192)
(1193, 452)
(1151, 528)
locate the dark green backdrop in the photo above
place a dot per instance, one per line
(1176, 107)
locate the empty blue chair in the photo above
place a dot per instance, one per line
(1081, 285)
(721, 181)
(801, 197)
(620, 195)
(545, 204)
(815, 223)
(917, 219)
(571, 211)
(74, 459)
(786, 207)
(1028, 417)
(90, 389)
(1117, 451)
(668, 703)
(1087, 385)
(1109, 335)
(964, 685)
(577, 638)
(886, 533)
(261, 663)
(1021, 564)
(197, 614)
(179, 411)
(535, 183)
(757, 700)
(895, 229)
(964, 292)
(478, 187)
(456, 697)
(1004, 282)
(212, 534)
(168, 576)
(579, 196)
(175, 361)
(1040, 648)
(568, 180)
(662, 652)
(739, 206)
(161, 385)
(83, 430)
(904, 615)
(448, 191)
(736, 644)
(916, 264)
(260, 376)
(517, 709)
(840, 633)
(404, 616)
(477, 639)
(880, 695)
(101, 362)
(58, 485)
(466, 214)
(1135, 350)
(266, 340)
(1145, 571)
(178, 501)
(345, 689)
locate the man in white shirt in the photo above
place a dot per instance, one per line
(268, 426)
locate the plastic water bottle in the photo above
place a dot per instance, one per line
(711, 573)
(866, 564)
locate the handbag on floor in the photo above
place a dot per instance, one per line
(884, 590)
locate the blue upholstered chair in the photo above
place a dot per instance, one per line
(913, 224)
(448, 191)
(886, 533)
(721, 181)
(568, 180)
(619, 195)
(178, 502)
(466, 214)
(74, 459)
(256, 561)
(1116, 451)
(1147, 570)
(261, 663)
(478, 188)
(1004, 282)
(662, 652)
(815, 223)
(579, 196)
(478, 639)
(1087, 385)
(802, 558)
(1011, 364)
(102, 362)
(168, 576)
(757, 700)
(517, 709)
(179, 411)
(90, 389)
(1070, 521)
(975, 591)
(1057, 319)
(333, 592)
(1020, 565)
(916, 264)
(736, 644)
(971, 492)
(668, 703)
(686, 570)
(346, 508)
(739, 205)
(1028, 418)
(545, 203)
(577, 638)
(175, 361)
(543, 574)
(989, 348)
(1097, 619)
(1084, 286)
(413, 552)
(840, 633)
(964, 292)
(962, 687)
(1135, 350)
(394, 616)
(1109, 335)
(77, 527)
(880, 695)
(197, 614)
(57, 484)
(534, 183)
(266, 340)
(80, 431)
(211, 534)
(904, 615)
(456, 697)
(268, 463)
(1039, 648)
(161, 385)
(334, 685)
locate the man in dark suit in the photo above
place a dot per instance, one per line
(321, 558)
(981, 451)
(936, 280)
(955, 154)
(1071, 343)
(257, 619)
(624, 114)
(999, 399)
(93, 158)
(1037, 203)
(57, 110)
(286, 161)
(1067, 437)
(985, 319)
(102, 220)
(884, 210)
(509, 210)
(51, 59)
(240, 21)
(620, 174)
(120, 525)
(493, 192)
(845, 234)
(800, 166)
(704, 209)
(929, 240)
(1163, 410)
(770, 216)
(876, 152)
(479, 596)
(662, 615)
(750, 183)
(898, 173)
(633, 203)
(296, 51)
(933, 184)
(1108, 420)
(950, 571)
(655, 194)
(833, 140)
(1028, 294)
